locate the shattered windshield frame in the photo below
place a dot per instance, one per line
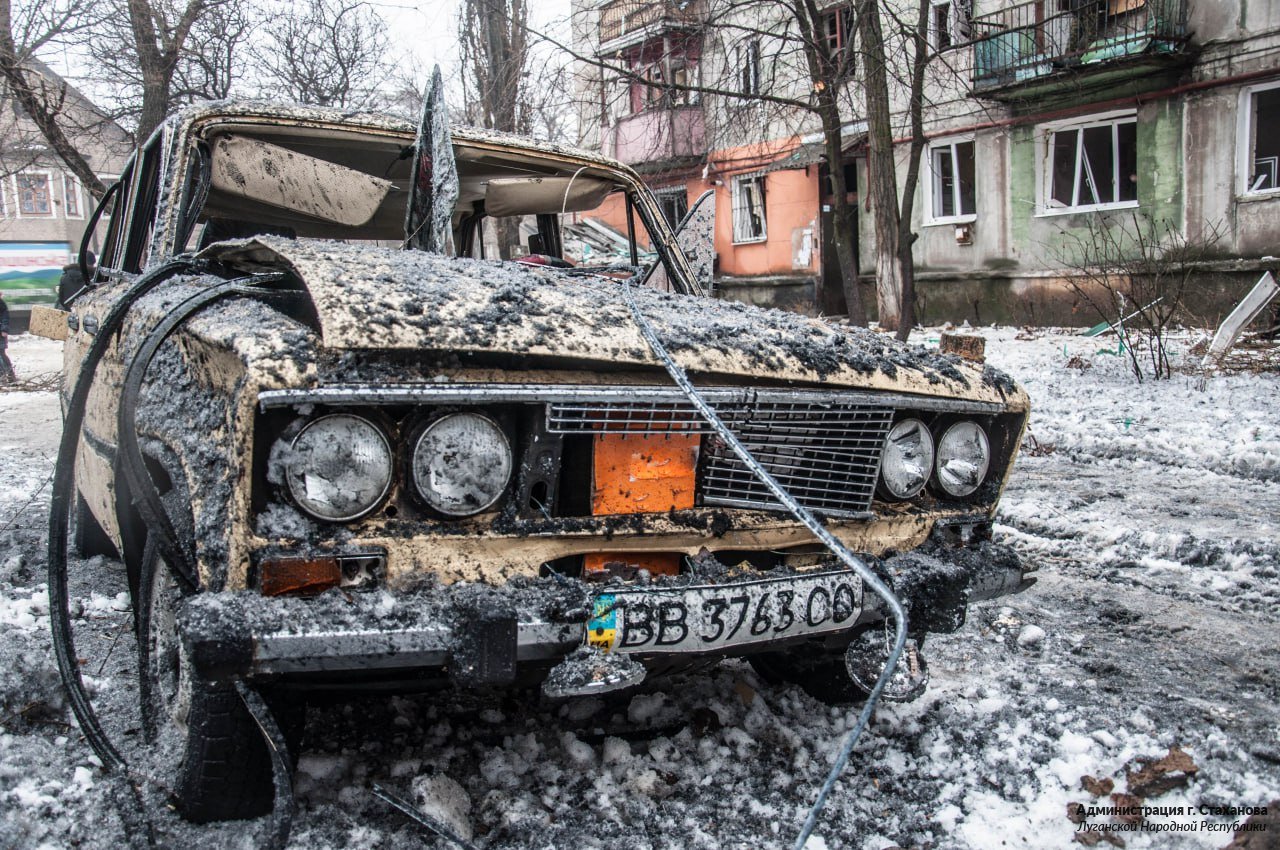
(187, 166)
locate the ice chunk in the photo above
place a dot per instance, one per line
(444, 800)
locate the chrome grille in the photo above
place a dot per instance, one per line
(631, 417)
(825, 453)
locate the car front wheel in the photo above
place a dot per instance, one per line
(221, 769)
(820, 673)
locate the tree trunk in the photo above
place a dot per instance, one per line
(906, 236)
(881, 171)
(823, 71)
(842, 219)
(158, 51)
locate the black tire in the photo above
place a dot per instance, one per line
(819, 673)
(222, 769)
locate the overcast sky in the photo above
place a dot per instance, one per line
(422, 35)
(426, 34)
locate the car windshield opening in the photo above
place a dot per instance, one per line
(330, 183)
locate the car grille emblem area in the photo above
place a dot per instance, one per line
(827, 454)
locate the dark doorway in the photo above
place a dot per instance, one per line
(830, 294)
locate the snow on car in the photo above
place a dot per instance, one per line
(332, 464)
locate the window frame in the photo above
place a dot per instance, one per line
(71, 189)
(931, 189)
(17, 195)
(958, 30)
(672, 192)
(737, 209)
(1246, 141)
(1045, 145)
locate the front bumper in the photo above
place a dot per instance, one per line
(483, 635)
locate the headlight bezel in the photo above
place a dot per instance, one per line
(937, 482)
(388, 444)
(439, 419)
(883, 489)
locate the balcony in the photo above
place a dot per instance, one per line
(1032, 47)
(623, 22)
(661, 136)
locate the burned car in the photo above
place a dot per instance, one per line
(339, 443)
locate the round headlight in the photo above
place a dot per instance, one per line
(461, 464)
(908, 459)
(963, 456)
(339, 467)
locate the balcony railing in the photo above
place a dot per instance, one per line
(623, 17)
(1035, 39)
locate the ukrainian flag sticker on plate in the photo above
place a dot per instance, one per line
(602, 628)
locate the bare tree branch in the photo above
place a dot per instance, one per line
(328, 53)
(42, 98)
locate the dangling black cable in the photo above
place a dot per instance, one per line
(281, 774)
(60, 505)
(163, 535)
(179, 557)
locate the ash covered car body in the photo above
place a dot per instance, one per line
(328, 462)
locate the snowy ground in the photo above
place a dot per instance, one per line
(1152, 510)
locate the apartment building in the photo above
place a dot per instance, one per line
(43, 206)
(1041, 118)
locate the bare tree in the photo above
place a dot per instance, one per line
(1134, 271)
(494, 40)
(45, 99)
(214, 59)
(160, 33)
(494, 43)
(895, 265)
(812, 59)
(324, 53)
(137, 50)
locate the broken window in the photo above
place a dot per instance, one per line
(837, 30)
(748, 208)
(949, 23)
(748, 60)
(1093, 165)
(683, 74)
(34, 195)
(674, 203)
(1262, 156)
(951, 166)
(940, 25)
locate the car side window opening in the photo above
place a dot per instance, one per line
(109, 257)
(143, 208)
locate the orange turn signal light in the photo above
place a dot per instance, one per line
(600, 564)
(296, 576)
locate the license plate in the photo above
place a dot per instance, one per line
(710, 617)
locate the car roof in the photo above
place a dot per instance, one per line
(213, 112)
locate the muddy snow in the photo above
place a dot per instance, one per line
(1139, 672)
